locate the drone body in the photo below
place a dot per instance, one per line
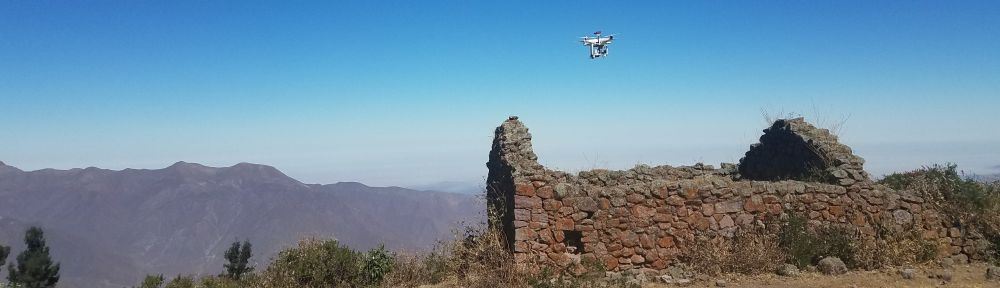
(598, 44)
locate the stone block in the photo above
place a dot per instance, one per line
(643, 212)
(707, 209)
(754, 204)
(637, 259)
(545, 236)
(545, 192)
(522, 215)
(635, 198)
(527, 202)
(524, 234)
(675, 200)
(630, 239)
(731, 206)
(565, 224)
(562, 190)
(836, 211)
(726, 222)
(666, 242)
(524, 189)
(586, 204)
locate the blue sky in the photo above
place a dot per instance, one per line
(409, 92)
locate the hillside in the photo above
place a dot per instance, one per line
(110, 227)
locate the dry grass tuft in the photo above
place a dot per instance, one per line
(481, 260)
(893, 248)
(476, 258)
(749, 251)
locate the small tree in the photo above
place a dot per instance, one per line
(238, 258)
(152, 281)
(35, 268)
(4, 251)
(181, 282)
(377, 263)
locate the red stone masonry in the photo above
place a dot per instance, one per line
(648, 217)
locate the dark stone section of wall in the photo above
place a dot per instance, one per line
(649, 217)
(510, 156)
(783, 155)
(793, 149)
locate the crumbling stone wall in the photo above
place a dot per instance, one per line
(649, 217)
(794, 149)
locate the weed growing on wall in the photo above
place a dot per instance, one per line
(966, 202)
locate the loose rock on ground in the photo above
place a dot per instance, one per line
(788, 270)
(907, 273)
(993, 273)
(832, 266)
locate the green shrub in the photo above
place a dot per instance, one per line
(181, 282)
(152, 281)
(797, 241)
(963, 201)
(225, 282)
(995, 242)
(944, 185)
(314, 264)
(377, 263)
(805, 246)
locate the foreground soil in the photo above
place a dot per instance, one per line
(973, 275)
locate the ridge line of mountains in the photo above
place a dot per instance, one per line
(109, 228)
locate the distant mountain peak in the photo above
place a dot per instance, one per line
(242, 171)
(186, 165)
(257, 171)
(190, 169)
(6, 168)
(351, 184)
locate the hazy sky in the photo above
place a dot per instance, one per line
(409, 92)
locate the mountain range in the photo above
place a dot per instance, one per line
(109, 228)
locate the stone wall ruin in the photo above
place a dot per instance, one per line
(649, 217)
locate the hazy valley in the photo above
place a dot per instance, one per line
(109, 228)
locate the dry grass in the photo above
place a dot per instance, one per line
(476, 258)
(481, 260)
(749, 251)
(893, 248)
(412, 270)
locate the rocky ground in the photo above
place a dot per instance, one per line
(973, 275)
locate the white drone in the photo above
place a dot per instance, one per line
(598, 45)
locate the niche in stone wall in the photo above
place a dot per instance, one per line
(784, 155)
(574, 241)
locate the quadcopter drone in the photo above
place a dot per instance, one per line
(598, 45)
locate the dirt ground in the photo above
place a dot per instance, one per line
(973, 275)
